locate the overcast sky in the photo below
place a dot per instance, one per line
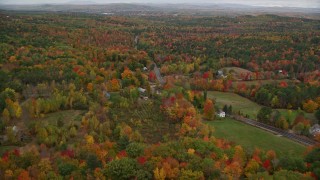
(285, 3)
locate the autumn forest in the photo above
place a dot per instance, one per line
(107, 96)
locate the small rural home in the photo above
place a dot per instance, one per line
(315, 129)
(141, 90)
(220, 74)
(222, 114)
(143, 94)
(106, 94)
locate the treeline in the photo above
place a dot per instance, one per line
(292, 96)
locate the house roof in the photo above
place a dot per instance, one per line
(314, 127)
(141, 89)
(106, 94)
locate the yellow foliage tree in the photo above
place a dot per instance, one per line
(17, 109)
(251, 168)
(71, 97)
(159, 174)
(90, 87)
(239, 155)
(45, 165)
(8, 174)
(90, 139)
(6, 115)
(191, 151)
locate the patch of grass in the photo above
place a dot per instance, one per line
(66, 116)
(250, 137)
(236, 71)
(238, 103)
(246, 106)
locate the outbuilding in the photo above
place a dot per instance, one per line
(315, 129)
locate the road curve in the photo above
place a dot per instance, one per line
(300, 139)
(158, 74)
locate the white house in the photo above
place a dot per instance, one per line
(141, 90)
(222, 114)
(315, 129)
(14, 128)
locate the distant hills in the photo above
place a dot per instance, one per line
(205, 9)
(81, 2)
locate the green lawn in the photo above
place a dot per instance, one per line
(250, 137)
(238, 103)
(246, 106)
(66, 116)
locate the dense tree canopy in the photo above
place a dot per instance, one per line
(80, 98)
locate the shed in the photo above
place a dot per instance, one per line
(315, 129)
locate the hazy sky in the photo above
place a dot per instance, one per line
(286, 3)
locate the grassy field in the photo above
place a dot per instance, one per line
(66, 116)
(235, 70)
(250, 137)
(245, 105)
(238, 103)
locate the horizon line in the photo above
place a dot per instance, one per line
(158, 3)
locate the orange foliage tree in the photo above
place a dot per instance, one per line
(310, 106)
(208, 110)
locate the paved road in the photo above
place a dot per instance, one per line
(158, 75)
(300, 139)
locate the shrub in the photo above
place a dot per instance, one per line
(93, 162)
(66, 168)
(124, 168)
(134, 150)
(189, 174)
